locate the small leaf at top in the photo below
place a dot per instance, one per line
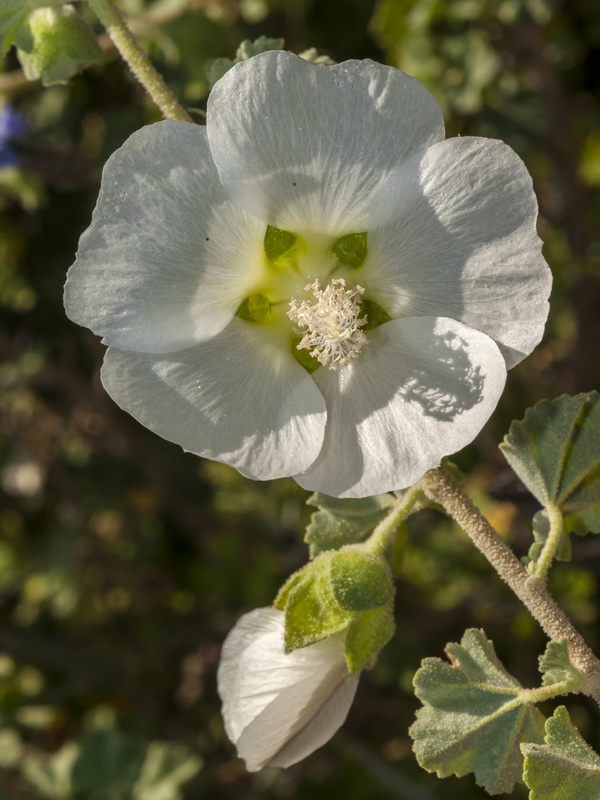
(565, 767)
(339, 522)
(13, 21)
(556, 666)
(474, 716)
(555, 451)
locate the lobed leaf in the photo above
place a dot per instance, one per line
(565, 767)
(555, 451)
(556, 666)
(339, 522)
(474, 716)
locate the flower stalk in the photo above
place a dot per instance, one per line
(441, 487)
(138, 61)
(383, 535)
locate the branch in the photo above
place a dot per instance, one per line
(441, 487)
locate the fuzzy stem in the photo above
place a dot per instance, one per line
(138, 61)
(441, 487)
(383, 535)
(557, 529)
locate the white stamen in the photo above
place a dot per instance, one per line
(333, 323)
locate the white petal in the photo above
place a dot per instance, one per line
(322, 726)
(280, 706)
(239, 398)
(460, 241)
(421, 388)
(304, 146)
(168, 257)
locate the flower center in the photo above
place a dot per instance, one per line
(331, 325)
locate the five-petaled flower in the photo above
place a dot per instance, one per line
(278, 707)
(315, 284)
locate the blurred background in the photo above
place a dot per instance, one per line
(123, 561)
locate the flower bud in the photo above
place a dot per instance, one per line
(279, 707)
(349, 590)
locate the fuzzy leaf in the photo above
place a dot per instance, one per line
(13, 21)
(555, 451)
(474, 716)
(360, 581)
(565, 767)
(340, 522)
(556, 666)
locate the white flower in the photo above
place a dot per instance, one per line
(277, 707)
(319, 209)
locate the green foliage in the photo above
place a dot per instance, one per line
(555, 451)
(565, 767)
(541, 531)
(109, 765)
(61, 43)
(13, 18)
(340, 522)
(475, 715)
(556, 666)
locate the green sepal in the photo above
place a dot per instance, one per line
(565, 767)
(344, 521)
(368, 633)
(311, 610)
(360, 580)
(62, 44)
(351, 250)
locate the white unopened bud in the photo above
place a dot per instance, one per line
(278, 708)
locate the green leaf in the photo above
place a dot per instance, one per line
(62, 44)
(565, 767)
(166, 768)
(474, 716)
(339, 522)
(108, 766)
(555, 451)
(13, 21)
(50, 776)
(556, 666)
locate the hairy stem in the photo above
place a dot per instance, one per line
(138, 61)
(441, 487)
(557, 529)
(383, 535)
